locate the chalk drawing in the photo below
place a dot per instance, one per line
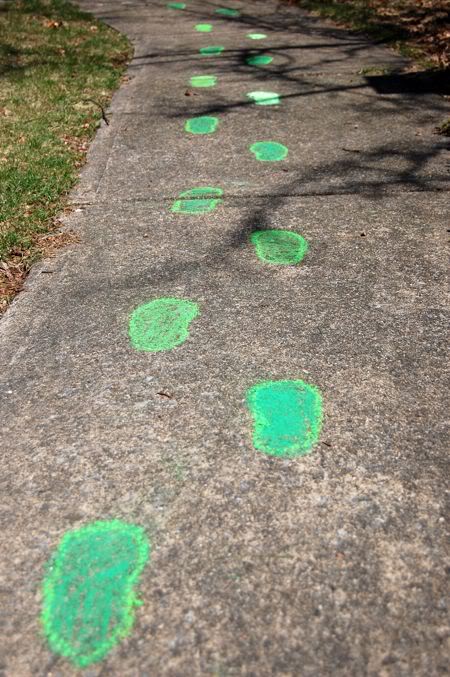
(287, 417)
(259, 60)
(161, 324)
(203, 81)
(204, 124)
(211, 50)
(176, 5)
(227, 11)
(279, 246)
(256, 36)
(88, 591)
(204, 28)
(198, 200)
(265, 98)
(269, 151)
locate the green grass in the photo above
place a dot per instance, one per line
(53, 57)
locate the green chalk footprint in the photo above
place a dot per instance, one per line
(198, 200)
(265, 98)
(176, 5)
(203, 81)
(161, 324)
(269, 151)
(202, 125)
(88, 592)
(287, 417)
(259, 60)
(279, 246)
(211, 50)
(227, 11)
(204, 28)
(256, 36)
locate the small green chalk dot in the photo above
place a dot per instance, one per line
(199, 200)
(201, 125)
(176, 5)
(228, 11)
(203, 81)
(204, 28)
(269, 151)
(259, 60)
(211, 50)
(281, 247)
(256, 36)
(265, 98)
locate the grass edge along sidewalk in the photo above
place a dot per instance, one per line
(59, 67)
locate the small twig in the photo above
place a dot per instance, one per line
(162, 394)
(101, 108)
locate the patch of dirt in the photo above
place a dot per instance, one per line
(14, 271)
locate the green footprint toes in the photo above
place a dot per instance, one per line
(199, 200)
(201, 125)
(211, 50)
(161, 324)
(269, 151)
(264, 98)
(88, 592)
(287, 417)
(203, 81)
(279, 246)
(259, 60)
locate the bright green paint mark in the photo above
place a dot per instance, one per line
(161, 324)
(176, 5)
(259, 60)
(202, 125)
(198, 200)
(265, 98)
(204, 28)
(88, 592)
(269, 151)
(279, 246)
(256, 36)
(203, 81)
(287, 417)
(227, 11)
(212, 49)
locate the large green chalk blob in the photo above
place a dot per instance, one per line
(256, 36)
(176, 5)
(198, 200)
(161, 324)
(203, 81)
(211, 50)
(269, 151)
(204, 28)
(287, 417)
(227, 11)
(265, 98)
(88, 592)
(259, 60)
(204, 124)
(279, 246)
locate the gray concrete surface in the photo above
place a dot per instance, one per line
(330, 565)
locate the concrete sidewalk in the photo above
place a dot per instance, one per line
(332, 564)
